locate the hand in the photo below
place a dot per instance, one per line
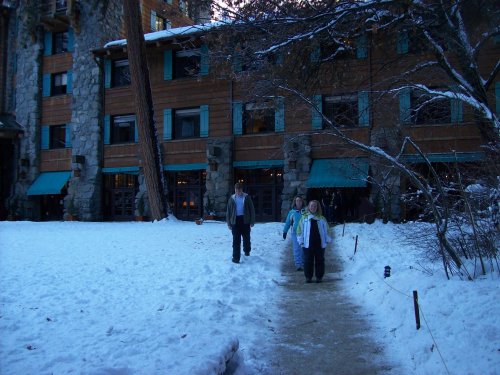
(284, 235)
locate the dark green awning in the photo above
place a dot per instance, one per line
(256, 164)
(49, 183)
(348, 172)
(458, 157)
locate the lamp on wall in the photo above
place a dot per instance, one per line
(77, 172)
(292, 164)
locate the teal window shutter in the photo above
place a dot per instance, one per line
(362, 47)
(405, 105)
(317, 117)
(279, 115)
(205, 62)
(315, 55)
(136, 130)
(46, 82)
(237, 118)
(167, 124)
(107, 73)
(402, 43)
(153, 21)
(204, 120)
(237, 65)
(67, 140)
(47, 43)
(456, 107)
(279, 58)
(69, 84)
(107, 129)
(71, 40)
(167, 65)
(363, 108)
(497, 97)
(45, 137)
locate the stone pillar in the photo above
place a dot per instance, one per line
(28, 106)
(297, 165)
(96, 27)
(219, 180)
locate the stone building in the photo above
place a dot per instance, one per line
(75, 148)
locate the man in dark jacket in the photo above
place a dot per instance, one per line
(240, 216)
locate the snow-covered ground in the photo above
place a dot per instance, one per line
(165, 298)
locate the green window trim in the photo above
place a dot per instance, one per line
(47, 43)
(237, 118)
(167, 124)
(402, 43)
(363, 108)
(405, 105)
(317, 115)
(107, 129)
(46, 84)
(107, 73)
(69, 84)
(204, 121)
(45, 137)
(167, 65)
(362, 47)
(67, 141)
(204, 60)
(279, 116)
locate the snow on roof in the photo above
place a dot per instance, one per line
(171, 33)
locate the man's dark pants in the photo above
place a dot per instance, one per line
(240, 230)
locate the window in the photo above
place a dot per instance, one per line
(187, 63)
(123, 129)
(161, 23)
(342, 110)
(186, 123)
(429, 110)
(57, 138)
(60, 42)
(121, 73)
(258, 118)
(59, 83)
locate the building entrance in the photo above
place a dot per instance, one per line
(120, 190)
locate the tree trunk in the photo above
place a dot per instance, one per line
(148, 142)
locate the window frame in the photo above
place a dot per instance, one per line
(178, 127)
(59, 88)
(193, 56)
(57, 137)
(116, 136)
(424, 115)
(119, 70)
(249, 123)
(350, 116)
(60, 42)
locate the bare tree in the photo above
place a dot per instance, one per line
(263, 36)
(148, 141)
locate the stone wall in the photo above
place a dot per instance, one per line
(219, 181)
(297, 164)
(28, 105)
(97, 27)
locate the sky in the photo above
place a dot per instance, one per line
(165, 298)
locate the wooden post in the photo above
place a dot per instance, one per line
(415, 305)
(343, 229)
(356, 244)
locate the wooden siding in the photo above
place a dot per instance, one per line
(121, 155)
(56, 110)
(55, 160)
(62, 62)
(184, 151)
(267, 146)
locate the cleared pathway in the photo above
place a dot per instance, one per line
(321, 331)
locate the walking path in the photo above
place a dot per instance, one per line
(323, 332)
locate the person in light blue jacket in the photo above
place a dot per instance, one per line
(314, 234)
(292, 220)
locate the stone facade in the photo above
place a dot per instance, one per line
(219, 175)
(97, 26)
(297, 164)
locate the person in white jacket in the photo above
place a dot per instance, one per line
(314, 234)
